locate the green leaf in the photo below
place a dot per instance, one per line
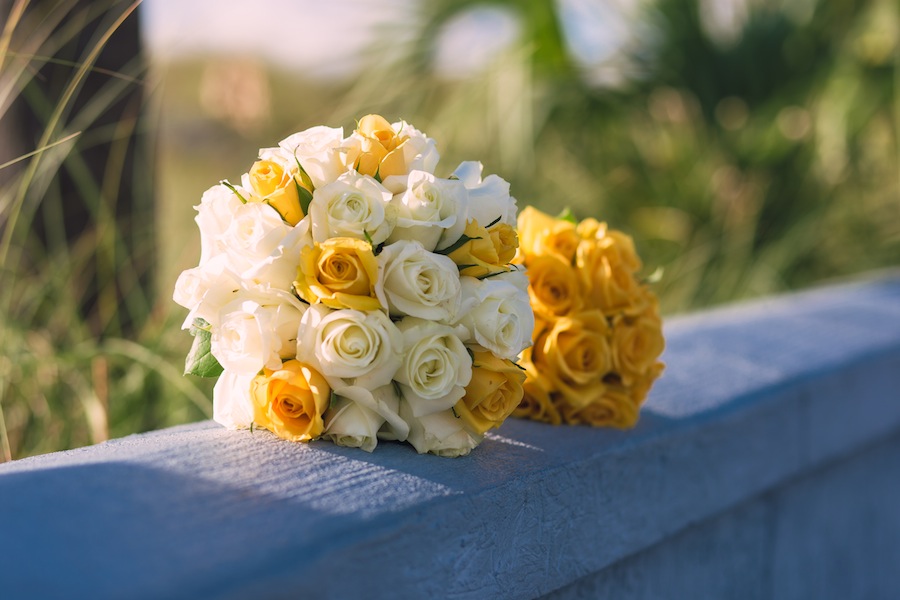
(489, 275)
(304, 176)
(199, 323)
(303, 190)
(568, 215)
(494, 222)
(462, 241)
(369, 239)
(200, 360)
(226, 183)
(305, 197)
(463, 267)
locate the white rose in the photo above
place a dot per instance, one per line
(256, 329)
(420, 150)
(319, 150)
(254, 234)
(419, 153)
(352, 206)
(357, 415)
(440, 433)
(364, 347)
(279, 268)
(489, 199)
(415, 282)
(430, 210)
(515, 276)
(204, 290)
(232, 405)
(497, 314)
(214, 215)
(436, 366)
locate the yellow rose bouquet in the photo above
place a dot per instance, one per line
(598, 333)
(346, 292)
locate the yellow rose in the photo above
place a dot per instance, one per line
(505, 241)
(608, 275)
(493, 393)
(541, 327)
(272, 185)
(553, 286)
(575, 356)
(623, 246)
(539, 233)
(614, 409)
(641, 386)
(636, 344)
(537, 403)
(340, 273)
(533, 224)
(591, 228)
(597, 333)
(381, 151)
(480, 254)
(290, 402)
(576, 397)
(562, 243)
(618, 247)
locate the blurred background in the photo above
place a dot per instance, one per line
(749, 146)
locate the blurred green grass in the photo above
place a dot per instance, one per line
(755, 165)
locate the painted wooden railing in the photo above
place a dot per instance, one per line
(766, 465)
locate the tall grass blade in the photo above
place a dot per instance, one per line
(52, 124)
(69, 137)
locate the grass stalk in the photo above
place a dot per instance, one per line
(52, 124)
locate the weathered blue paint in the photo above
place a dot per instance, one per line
(833, 533)
(765, 461)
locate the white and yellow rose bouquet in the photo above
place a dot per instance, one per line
(598, 334)
(346, 292)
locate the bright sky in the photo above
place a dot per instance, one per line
(315, 35)
(325, 38)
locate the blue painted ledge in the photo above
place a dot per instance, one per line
(765, 466)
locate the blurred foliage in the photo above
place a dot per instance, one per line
(742, 166)
(744, 162)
